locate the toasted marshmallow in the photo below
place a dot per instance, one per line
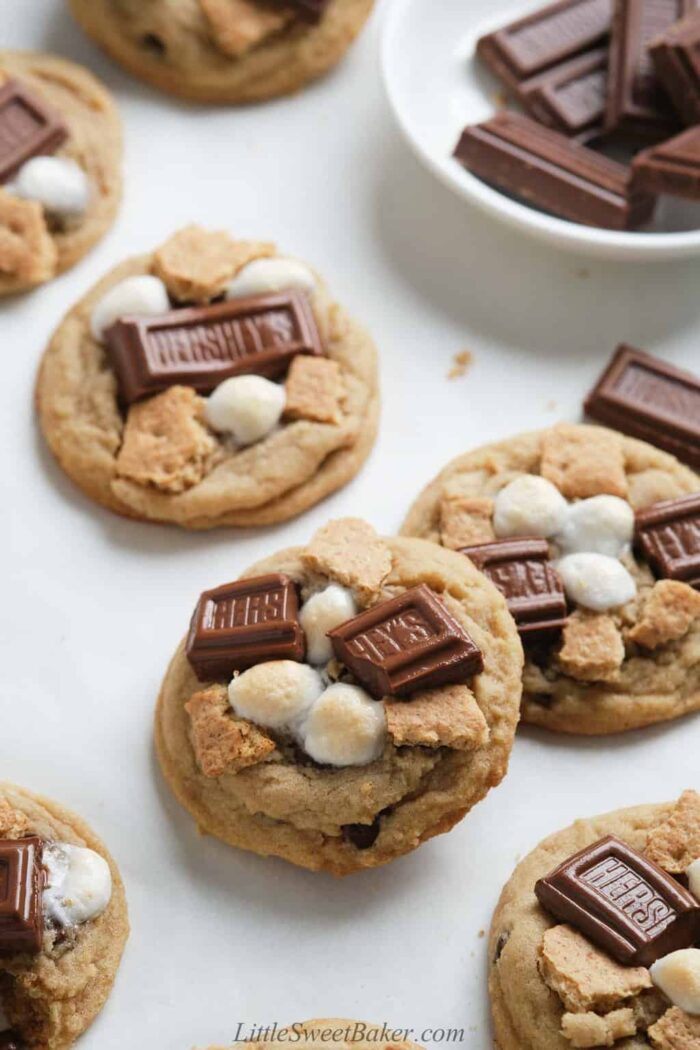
(529, 506)
(248, 407)
(142, 296)
(78, 886)
(694, 878)
(678, 976)
(263, 276)
(600, 525)
(320, 614)
(596, 581)
(276, 694)
(345, 727)
(57, 183)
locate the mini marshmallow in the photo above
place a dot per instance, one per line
(275, 694)
(143, 295)
(321, 614)
(678, 977)
(248, 407)
(596, 581)
(345, 727)
(529, 506)
(601, 525)
(270, 275)
(57, 183)
(694, 878)
(79, 884)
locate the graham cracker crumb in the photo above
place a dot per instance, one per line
(222, 742)
(676, 1031)
(593, 650)
(583, 462)
(446, 717)
(461, 364)
(314, 389)
(585, 978)
(675, 844)
(590, 1029)
(669, 611)
(237, 26)
(196, 264)
(13, 823)
(466, 521)
(350, 552)
(28, 253)
(165, 442)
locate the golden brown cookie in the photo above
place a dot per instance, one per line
(52, 993)
(166, 457)
(345, 1034)
(619, 663)
(551, 986)
(291, 757)
(40, 238)
(231, 51)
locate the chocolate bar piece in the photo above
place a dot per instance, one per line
(621, 901)
(407, 643)
(668, 535)
(570, 97)
(638, 106)
(245, 623)
(200, 346)
(672, 167)
(676, 58)
(545, 39)
(546, 169)
(28, 128)
(21, 883)
(531, 585)
(649, 399)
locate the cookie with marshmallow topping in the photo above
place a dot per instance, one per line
(51, 996)
(627, 657)
(286, 414)
(296, 755)
(56, 206)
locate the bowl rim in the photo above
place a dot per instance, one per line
(546, 228)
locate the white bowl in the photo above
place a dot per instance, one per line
(436, 86)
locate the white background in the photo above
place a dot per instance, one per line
(92, 606)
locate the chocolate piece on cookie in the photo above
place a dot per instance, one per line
(21, 882)
(668, 535)
(28, 127)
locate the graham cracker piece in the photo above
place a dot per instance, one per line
(582, 461)
(350, 552)
(676, 1030)
(165, 442)
(585, 978)
(314, 389)
(196, 264)
(675, 844)
(445, 717)
(13, 823)
(667, 614)
(222, 742)
(466, 521)
(28, 253)
(237, 26)
(591, 1029)
(593, 650)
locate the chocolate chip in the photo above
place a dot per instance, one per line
(362, 836)
(153, 43)
(500, 945)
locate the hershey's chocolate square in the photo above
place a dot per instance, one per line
(622, 902)
(200, 346)
(245, 623)
(21, 916)
(28, 128)
(668, 535)
(407, 643)
(521, 570)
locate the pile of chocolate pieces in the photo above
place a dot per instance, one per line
(594, 77)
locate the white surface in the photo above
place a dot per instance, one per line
(92, 606)
(436, 87)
